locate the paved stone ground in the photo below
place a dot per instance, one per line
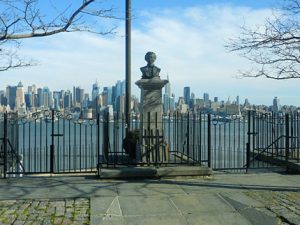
(286, 205)
(231, 199)
(45, 211)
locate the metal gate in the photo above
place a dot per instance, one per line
(273, 139)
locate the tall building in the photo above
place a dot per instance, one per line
(276, 105)
(107, 95)
(216, 99)
(39, 96)
(20, 96)
(46, 98)
(237, 100)
(11, 92)
(95, 91)
(168, 87)
(3, 99)
(206, 99)
(187, 95)
(67, 100)
(118, 96)
(95, 99)
(79, 94)
(57, 99)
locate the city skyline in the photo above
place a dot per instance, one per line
(198, 60)
(22, 99)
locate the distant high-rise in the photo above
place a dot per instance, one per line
(216, 99)
(107, 95)
(67, 100)
(20, 96)
(206, 97)
(11, 92)
(46, 98)
(168, 87)
(3, 99)
(79, 95)
(276, 105)
(95, 91)
(95, 98)
(187, 95)
(237, 102)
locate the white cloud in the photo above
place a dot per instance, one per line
(189, 43)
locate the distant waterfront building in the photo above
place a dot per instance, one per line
(168, 87)
(20, 97)
(215, 106)
(166, 103)
(172, 103)
(232, 109)
(120, 104)
(237, 100)
(107, 96)
(67, 100)
(57, 99)
(95, 99)
(187, 95)
(276, 105)
(3, 99)
(11, 92)
(206, 99)
(46, 98)
(216, 99)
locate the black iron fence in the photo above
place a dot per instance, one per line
(55, 142)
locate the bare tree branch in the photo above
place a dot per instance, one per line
(275, 47)
(22, 19)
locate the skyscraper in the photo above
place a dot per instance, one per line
(168, 87)
(206, 99)
(79, 95)
(46, 98)
(187, 95)
(11, 92)
(20, 97)
(276, 105)
(95, 91)
(67, 100)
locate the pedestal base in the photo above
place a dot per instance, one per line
(151, 119)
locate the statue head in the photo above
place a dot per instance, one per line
(150, 57)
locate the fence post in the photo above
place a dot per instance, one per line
(106, 138)
(156, 146)
(98, 143)
(5, 145)
(287, 137)
(209, 139)
(247, 156)
(248, 143)
(188, 137)
(52, 144)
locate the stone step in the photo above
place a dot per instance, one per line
(153, 172)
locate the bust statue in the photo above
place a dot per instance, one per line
(150, 71)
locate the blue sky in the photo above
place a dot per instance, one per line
(188, 37)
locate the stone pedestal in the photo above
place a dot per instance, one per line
(151, 117)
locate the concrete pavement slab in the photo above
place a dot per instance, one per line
(150, 205)
(201, 203)
(156, 220)
(212, 218)
(255, 216)
(243, 198)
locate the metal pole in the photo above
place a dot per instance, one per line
(5, 145)
(287, 137)
(128, 65)
(209, 139)
(52, 143)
